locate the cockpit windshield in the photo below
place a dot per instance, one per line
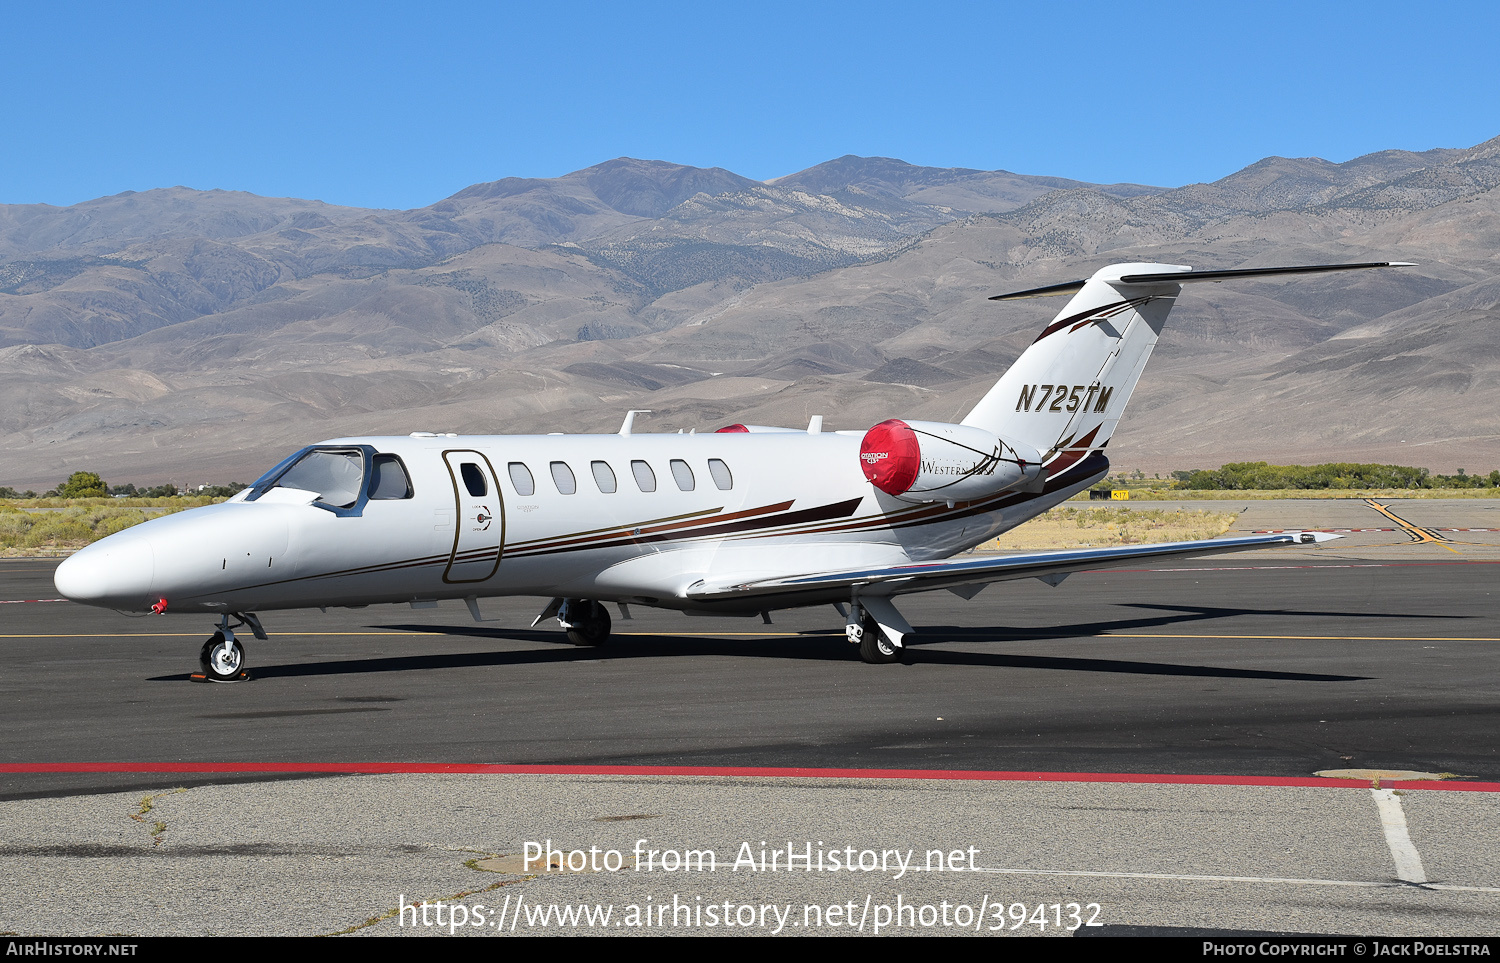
(344, 478)
(336, 475)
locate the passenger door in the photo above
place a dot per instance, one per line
(479, 535)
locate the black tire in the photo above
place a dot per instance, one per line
(222, 661)
(593, 629)
(874, 648)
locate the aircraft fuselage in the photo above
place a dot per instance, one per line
(634, 518)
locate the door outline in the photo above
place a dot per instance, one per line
(459, 516)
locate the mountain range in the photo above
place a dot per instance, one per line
(198, 336)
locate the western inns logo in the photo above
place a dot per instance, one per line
(1064, 399)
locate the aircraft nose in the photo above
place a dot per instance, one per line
(115, 572)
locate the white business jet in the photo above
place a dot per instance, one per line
(741, 521)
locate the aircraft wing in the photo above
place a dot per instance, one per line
(967, 575)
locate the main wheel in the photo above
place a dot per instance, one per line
(222, 660)
(874, 647)
(593, 628)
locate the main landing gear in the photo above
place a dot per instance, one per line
(586, 621)
(222, 657)
(878, 629)
(874, 648)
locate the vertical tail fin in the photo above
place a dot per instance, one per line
(1070, 387)
(1068, 390)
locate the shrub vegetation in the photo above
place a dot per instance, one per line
(1260, 476)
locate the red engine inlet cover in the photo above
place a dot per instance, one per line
(890, 456)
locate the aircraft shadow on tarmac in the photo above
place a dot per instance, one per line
(1169, 615)
(819, 645)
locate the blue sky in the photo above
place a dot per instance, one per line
(397, 105)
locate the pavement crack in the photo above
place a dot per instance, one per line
(403, 906)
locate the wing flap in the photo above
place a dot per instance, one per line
(964, 572)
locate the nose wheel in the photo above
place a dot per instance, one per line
(222, 658)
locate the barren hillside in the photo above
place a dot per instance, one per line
(198, 336)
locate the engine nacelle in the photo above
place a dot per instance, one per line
(929, 461)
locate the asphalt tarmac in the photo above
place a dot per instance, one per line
(1378, 651)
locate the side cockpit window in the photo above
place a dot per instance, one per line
(388, 480)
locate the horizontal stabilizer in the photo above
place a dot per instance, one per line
(1050, 291)
(1178, 277)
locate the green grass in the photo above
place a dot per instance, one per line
(177, 502)
(1164, 494)
(74, 523)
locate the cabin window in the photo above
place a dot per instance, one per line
(723, 480)
(388, 479)
(562, 477)
(520, 476)
(473, 479)
(682, 474)
(604, 476)
(336, 476)
(645, 478)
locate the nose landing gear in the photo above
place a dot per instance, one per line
(222, 657)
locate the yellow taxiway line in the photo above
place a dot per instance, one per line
(1417, 534)
(791, 635)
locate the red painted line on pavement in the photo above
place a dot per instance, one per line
(1435, 784)
(427, 768)
(1331, 531)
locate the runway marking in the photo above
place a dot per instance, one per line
(1346, 531)
(798, 772)
(1331, 531)
(1393, 823)
(1295, 638)
(19, 601)
(1277, 880)
(790, 635)
(1417, 534)
(391, 635)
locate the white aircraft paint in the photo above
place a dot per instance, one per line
(731, 522)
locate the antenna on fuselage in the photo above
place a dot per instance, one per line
(630, 420)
